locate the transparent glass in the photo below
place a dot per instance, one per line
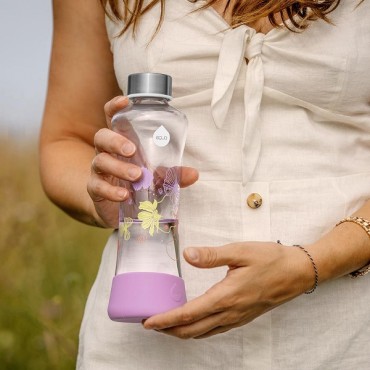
(148, 237)
(148, 273)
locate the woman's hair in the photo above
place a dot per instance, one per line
(244, 11)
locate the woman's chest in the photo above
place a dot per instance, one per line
(326, 65)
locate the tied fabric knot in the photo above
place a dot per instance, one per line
(254, 47)
(240, 43)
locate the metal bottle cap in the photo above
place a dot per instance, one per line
(149, 84)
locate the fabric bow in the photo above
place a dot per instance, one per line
(240, 43)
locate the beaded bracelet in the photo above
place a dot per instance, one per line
(365, 224)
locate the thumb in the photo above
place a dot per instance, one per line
(209, 257)
(188, 176)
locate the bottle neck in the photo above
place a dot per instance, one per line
(149, 100)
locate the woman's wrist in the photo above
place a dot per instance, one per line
(314, 269)
(298, 270)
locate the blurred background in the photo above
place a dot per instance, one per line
(48, 261)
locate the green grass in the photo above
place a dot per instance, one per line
(47, 265)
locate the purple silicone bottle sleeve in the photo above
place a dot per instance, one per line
(138, 295)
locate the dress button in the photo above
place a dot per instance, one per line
(254, 200)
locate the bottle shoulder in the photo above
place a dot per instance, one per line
(148, 110)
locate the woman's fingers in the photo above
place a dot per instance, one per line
(101, 190)
(185, 175)
(110, 145)
(105, 172)
(196, 329)
(192, 311)
(218, 330)
(105, 164)
(113, 106)
(108, 141)
(189, 176)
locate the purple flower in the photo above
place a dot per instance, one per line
(170, 185)
(171, 188)
(145, 180)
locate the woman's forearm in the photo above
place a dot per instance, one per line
(65, 169)
(81, 81)
(344, 249)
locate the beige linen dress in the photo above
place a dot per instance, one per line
(293, 125)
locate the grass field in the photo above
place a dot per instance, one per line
(47, 265)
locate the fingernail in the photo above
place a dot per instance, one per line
(134, 173)
(192, 254)
(122, 193)
(128, 148)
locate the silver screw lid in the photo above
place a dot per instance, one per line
(150, 85)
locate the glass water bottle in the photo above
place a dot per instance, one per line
(148, 272)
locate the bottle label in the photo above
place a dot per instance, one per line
(161, 136)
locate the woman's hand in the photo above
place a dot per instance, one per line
(261, 276)
(106, 169)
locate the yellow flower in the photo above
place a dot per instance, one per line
(124, 227)
(149, 216)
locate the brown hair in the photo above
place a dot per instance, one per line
(244, 11)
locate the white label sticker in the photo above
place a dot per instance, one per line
(161, 136)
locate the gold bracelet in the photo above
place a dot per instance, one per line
(365, 224)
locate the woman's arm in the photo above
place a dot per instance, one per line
(81, 81)
(78, 151)
(262, 276)
(344, 249)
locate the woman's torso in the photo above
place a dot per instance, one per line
(296, 130)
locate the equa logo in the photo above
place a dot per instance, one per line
(161, 136)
